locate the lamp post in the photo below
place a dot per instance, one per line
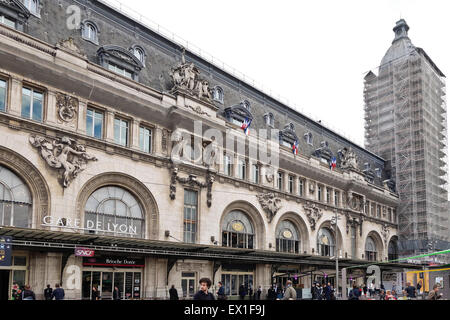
(334, 221)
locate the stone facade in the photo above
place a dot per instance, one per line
(70, 78)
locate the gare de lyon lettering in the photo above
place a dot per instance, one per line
(68, 223)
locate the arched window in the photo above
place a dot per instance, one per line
(371, 249)
(287, 237)
(325, 242)
(237, 231)
(113, 210)
(218, 94)
(15, 200)
(308, 138)
(392, 250)
(89, 31)
(268, 119)
(139, 53)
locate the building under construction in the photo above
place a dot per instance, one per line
(406, 123)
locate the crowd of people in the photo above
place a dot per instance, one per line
(409, 292)
(25, 292)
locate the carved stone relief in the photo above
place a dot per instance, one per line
(67, 107)
(348, 159)
(63, 154)
(270, 204)
(313, 213)
(186, 76)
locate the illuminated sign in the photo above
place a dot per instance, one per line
(84, 252)
(5, 251)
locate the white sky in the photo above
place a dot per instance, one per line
(314, 53)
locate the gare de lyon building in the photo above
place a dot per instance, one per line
(91, 123)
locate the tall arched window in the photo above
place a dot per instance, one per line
(113, 210)
(89, 31)
(15, 200)
(237, 231)
(371, 249)
(325, 242)
(218, 94)
(392, 250)
(287, 237)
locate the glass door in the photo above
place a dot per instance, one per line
(106, 286)
(119, 283)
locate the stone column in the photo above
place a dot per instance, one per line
(263, 279)
(15, 101)
(157, 140)
(51, 109)
(134, 134)
(109, 126)
(82, 113)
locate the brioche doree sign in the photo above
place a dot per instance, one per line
(91, 225)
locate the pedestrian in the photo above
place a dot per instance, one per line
(48, 293)
(315, 291)
(173, 293)
(365, 289)
(271, 294)
(354, 293)
(382, 295)
(389, 296)
(221, 292)
(116, 294)
(290, 293)
(250, 292)
(58, 293)
(394, 294)
(410, 290)
(419, 286)
(95, 293)
(327, 293)
(242, 292)
(203, 294)
(28, 294)
(258, 293)
(279, 294)
(371, 288)
(434, 295)
(14, 291)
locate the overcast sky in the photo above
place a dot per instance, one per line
(314, 53)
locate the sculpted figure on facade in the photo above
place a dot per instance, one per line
(211, 155)
(270, 204)
(313, 213)
(67, 107)
(385, 233)
(186, 76)
(63, 153)
(348, 158)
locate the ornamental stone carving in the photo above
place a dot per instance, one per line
(348, 159)
(270, 204)
(64, 154)
(385, 233)
(191, 181)
(67, 107)
(313, 213)
(185, 76)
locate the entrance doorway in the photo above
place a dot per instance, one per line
(4, 284)
(233, 280)
(127, 281)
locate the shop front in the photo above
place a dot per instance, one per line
(107, 272)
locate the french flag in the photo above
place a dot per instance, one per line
(295, 147)
(333, 163)
(246, 125)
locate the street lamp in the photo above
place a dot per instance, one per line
(334, 221)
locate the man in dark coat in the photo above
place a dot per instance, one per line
(48, 293)
(173, 293)
(271, 294)
(58, 293)
(242, 291)
(410, 291)
(203, 293)
(327, 291)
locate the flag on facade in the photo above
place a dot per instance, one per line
(246, 125)
(295, 147)
(333, 163)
